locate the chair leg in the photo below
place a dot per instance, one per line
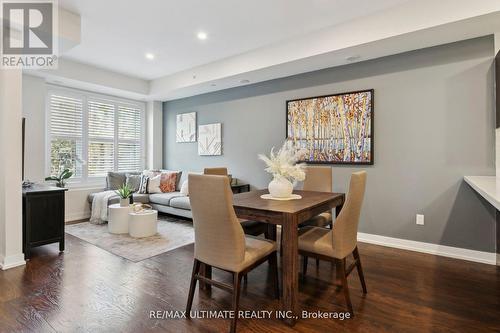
(341, 275)
(359, 268)
(192, 287)
(273, 263)
(236, 300)
(317, 262)
(304, 266)
(245, 278)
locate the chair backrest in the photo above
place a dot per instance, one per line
(219, 237)
(215, 171)
(318, 179)
(345, 228)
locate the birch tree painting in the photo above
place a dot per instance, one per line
(333, 129)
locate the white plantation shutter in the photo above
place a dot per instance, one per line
(129, 138)
(129, 157)
(101, 158)
(129, 123)
(101, 120)
(105, 132)
(66, 116)
(101, 138)
(66, 134)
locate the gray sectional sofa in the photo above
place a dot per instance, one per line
(173, 203)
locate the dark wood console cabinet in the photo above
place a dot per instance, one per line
(43, 217)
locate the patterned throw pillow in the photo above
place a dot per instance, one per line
(168, 182)
(178, 173)
(143, 186)
(134, 182)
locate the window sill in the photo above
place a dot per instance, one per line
(84, 186)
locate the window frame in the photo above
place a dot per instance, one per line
(85, 96)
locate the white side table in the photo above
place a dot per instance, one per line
(143, 224)
(118, 219)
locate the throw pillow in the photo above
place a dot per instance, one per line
(185, 188)
(178, 179)
(134, 182)
(168, 181)
(143, 187)
(115, 180)
(151, 173)
(154, 184)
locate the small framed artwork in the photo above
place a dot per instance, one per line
(186, 127)
(210, 140)
(333, 129)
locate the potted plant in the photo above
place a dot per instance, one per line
(124, 192)
(285, 169)
(61, 178)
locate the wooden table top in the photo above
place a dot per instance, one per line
(309, 200)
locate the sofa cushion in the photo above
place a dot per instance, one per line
(180, 202)
(115, 180)
(140, 197)
(163, 198)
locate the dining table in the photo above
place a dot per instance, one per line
(288, 214)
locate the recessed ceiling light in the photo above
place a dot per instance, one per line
(245, 81)
(213, 85)
(149, 56)
(202, 35)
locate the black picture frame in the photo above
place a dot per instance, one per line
(372, 127)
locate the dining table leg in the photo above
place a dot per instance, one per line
(290, 267)
(271, 232)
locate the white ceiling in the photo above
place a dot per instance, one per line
(117, 33)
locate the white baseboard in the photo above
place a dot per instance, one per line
(76, 216)
(12, 261)
(440, 250)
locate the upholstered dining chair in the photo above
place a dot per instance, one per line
(318, 179)
(220, 241)
(253, 228)
(341, 241)
(215, 171)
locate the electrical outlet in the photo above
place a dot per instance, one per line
(420, 219)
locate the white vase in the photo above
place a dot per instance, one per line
(124, 202)
(280, 187)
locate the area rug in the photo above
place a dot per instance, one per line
(172, 233)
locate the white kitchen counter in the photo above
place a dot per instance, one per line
(487, 186)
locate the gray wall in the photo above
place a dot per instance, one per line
(434, 123)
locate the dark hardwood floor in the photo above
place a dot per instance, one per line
(87, 289)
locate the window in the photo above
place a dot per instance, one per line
(92, 134)
(66, 121)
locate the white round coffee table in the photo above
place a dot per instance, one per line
(143, 224)
(118, 219)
